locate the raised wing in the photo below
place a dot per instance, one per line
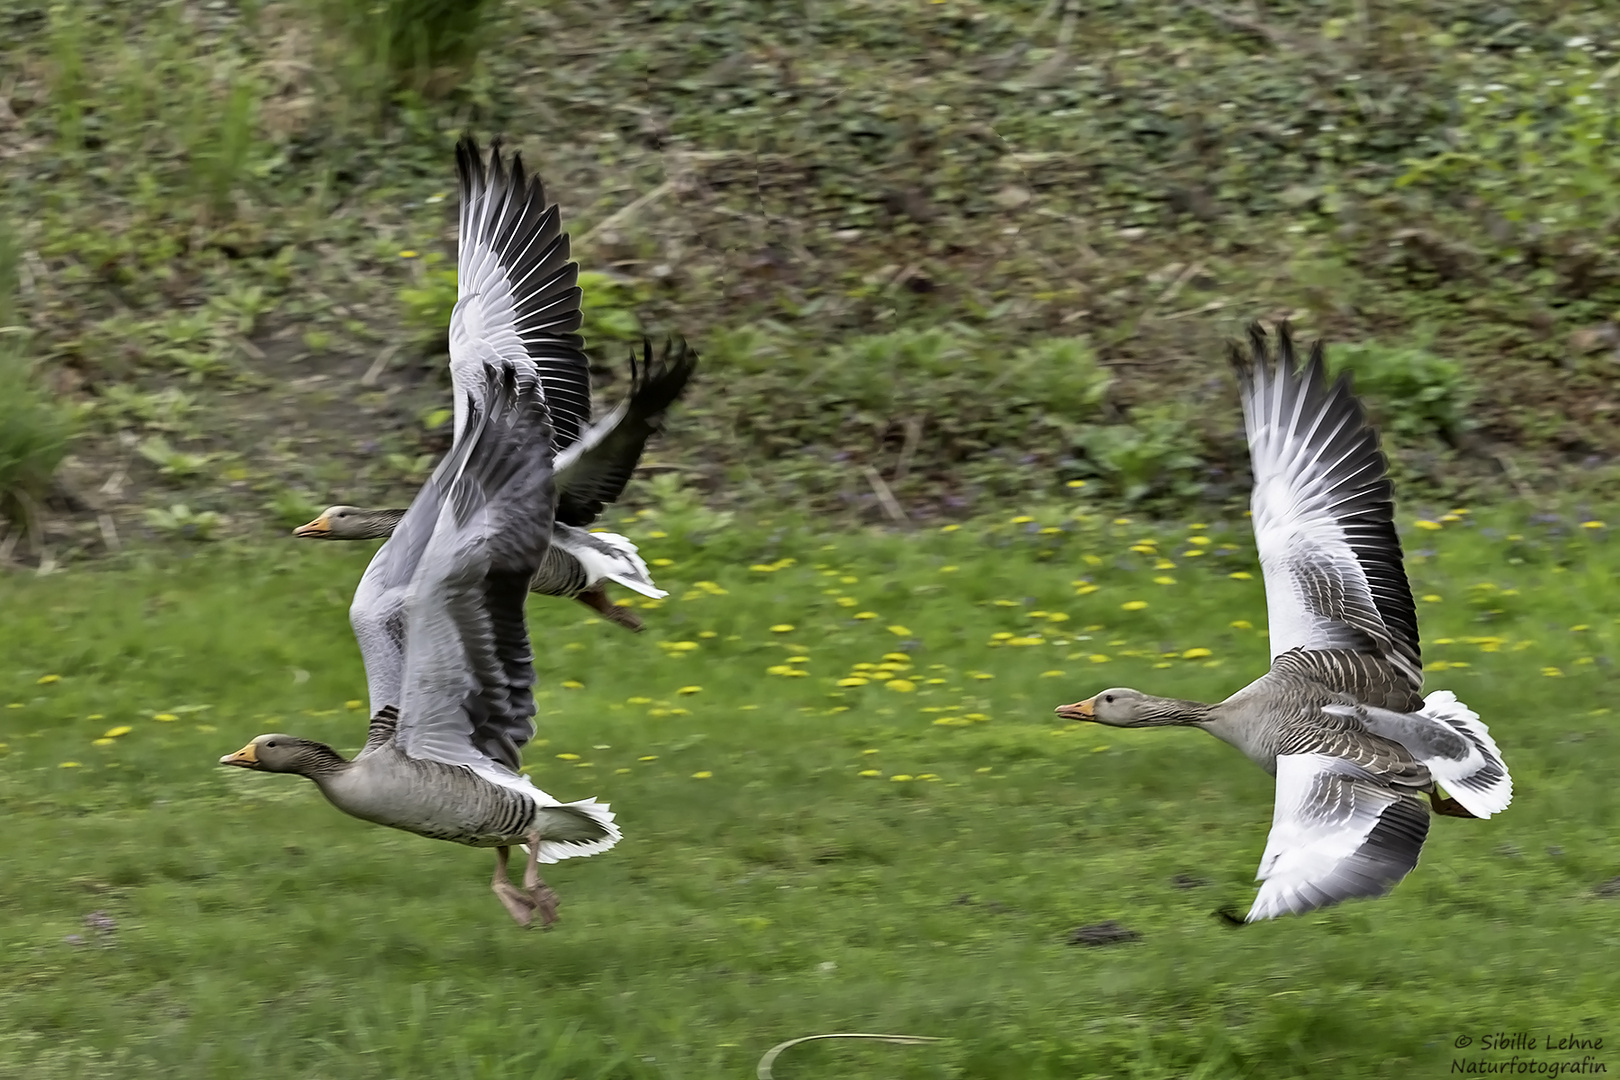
(594, 471)
(1324, 512)
(467, 695)
(1335, 833)
(518, 297)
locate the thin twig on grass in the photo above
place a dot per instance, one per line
(763, 1072)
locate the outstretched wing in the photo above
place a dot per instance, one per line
(594, 471)
(518, 297)
(467, 695)
(1324, 512)
(1336, 832)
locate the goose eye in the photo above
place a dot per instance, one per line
(1108, 698)
(272, 742)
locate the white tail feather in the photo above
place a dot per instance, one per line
(621, 564)
(1479, 781)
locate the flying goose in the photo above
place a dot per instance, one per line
(1339, 719)
(590, 473)
(518, 304)
(439, 617)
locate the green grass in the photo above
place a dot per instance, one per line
(261, 933)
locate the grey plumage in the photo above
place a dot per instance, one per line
(1340, 719)
(440, 620)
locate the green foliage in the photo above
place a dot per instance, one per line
(1413, 393)
(1536, 146)
(431, 297)
(154, 901)
(1155, 455)
(423, 46)
(608, 307)
(172, 463)
(183, 523)
(34, 429)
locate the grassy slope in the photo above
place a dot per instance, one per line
(205, 206)
(258, 932)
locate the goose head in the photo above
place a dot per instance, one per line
(1123, 707)
(350, 523)
(285, 754)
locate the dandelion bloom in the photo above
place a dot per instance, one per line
(1241, 575)
(1196, 654)
(899, 631)
(689, 690)
(70, 765)
(46, 680)
(905, 686)
(1425, 523)
(353, 703)
(853, 680)
(869, 772)
(1133, 605)
(102, 742)
(567, 684)
(866, 614)
(1241, 624)
(900, 778)
(567, 757)
(113, 733)
(782, 628)
(702, 774)
(166, 717)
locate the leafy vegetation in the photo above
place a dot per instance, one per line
(34, 429)
(847, 807)
(1414, 393)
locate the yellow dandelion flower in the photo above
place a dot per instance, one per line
(1431, 598)
(166, 717)
(1241, 624)
(46, 680)
(1196, 654)
(935, 682)
(648, 757)
(927, 776)
(621, 772)
(1425, 523)
(689, 690)
(866, 615)
(70, 765)
(638, 701)
(1021, 519)
(1054, 674)
(900, 778)
(353, 703)
(1241, 575)
(102, 742)
(949, 528)
(905, 686)
(853, 680)
(870, 772)
(1164, 580)
(975, 717)
(572, 684)
(1133, 605)
(658, 534)
(1076, 484)
(407, 254)
(1578, 627)
(567, 757)
(1057, 616)
(113, 733)
(1199, 540)
(1098, 658)
(1002, 635)
(1025, 641)
(982, 675)
(900, 631)
(897, 658)
(702, 774)
(1593, 525)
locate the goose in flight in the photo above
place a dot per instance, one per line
(439, 616)
(519, 304)
(1340, 719)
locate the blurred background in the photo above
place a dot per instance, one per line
(972, 249)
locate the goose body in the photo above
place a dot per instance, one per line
(1340, 719)
(439, 616)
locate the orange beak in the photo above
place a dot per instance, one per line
(319, 527)
(1080, 710)
(247, 757)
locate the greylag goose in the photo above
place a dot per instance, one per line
(439, 617)
(589, 474)
(519, 303)
(1340, 719)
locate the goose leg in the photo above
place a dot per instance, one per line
(596, 598)
(1446, 805)
(518, 903)
(537, 892)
